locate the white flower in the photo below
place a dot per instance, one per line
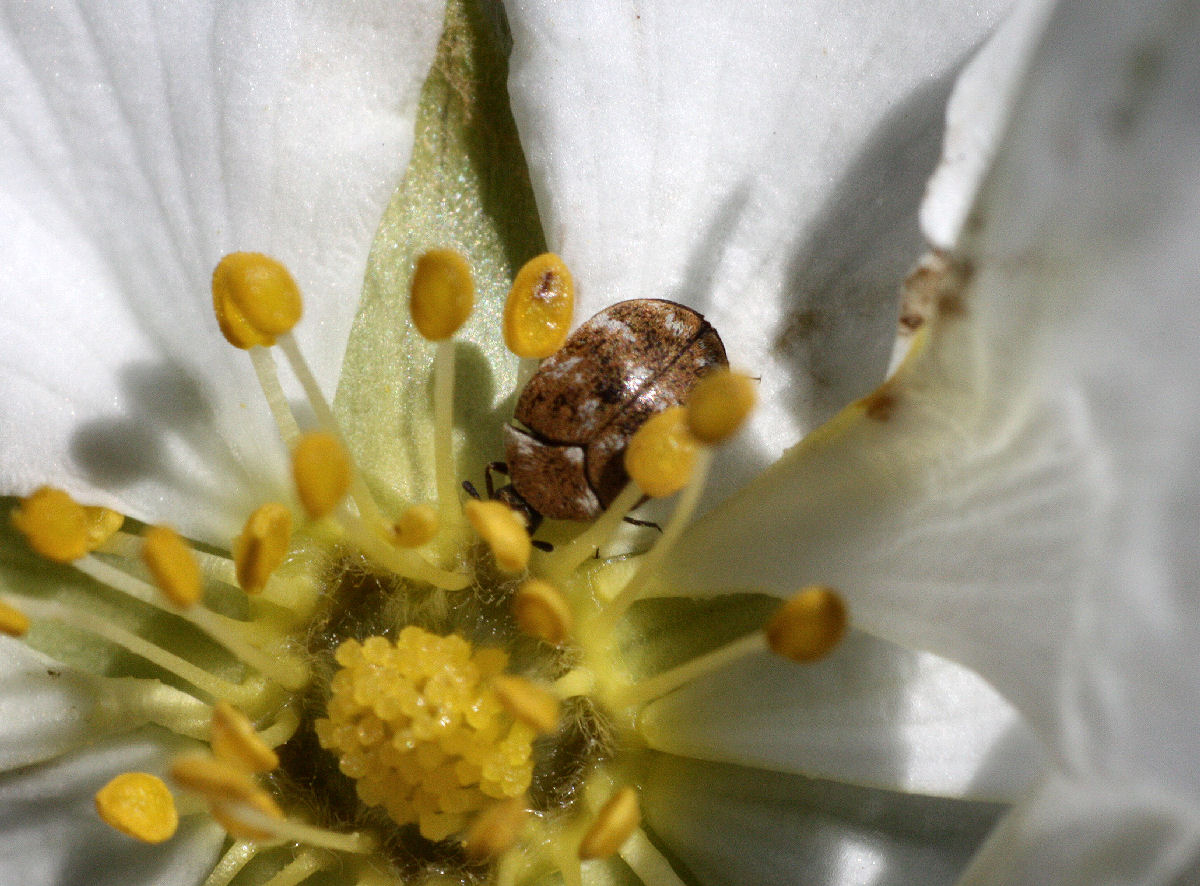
(734, 200)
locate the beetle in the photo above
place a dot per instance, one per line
(631, 361)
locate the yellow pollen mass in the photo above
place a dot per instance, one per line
(614, 824)
(809, 626)
(442, 293)
(139, 805)
(172, 565)
(662, 454)
(13, 622)
(418, 726)
(262, 546)
(416, 526)
(255, 299)
(503, 530)
(54, 524)
(542, 611)
(719, 405)
(321, 469)
(541, 303)
(234, 740)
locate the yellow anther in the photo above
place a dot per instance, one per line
(139, 805)
(503, 530)
(496, 829)
(614, 824)
(417, 723)
(227, 787)
(662, 453)
(234, 740)
(542, 611)
(102, 524)
(261, 547)
(321, 469)
(55, 525)
(809, 625)
(255, 299)
(719, 404)
(537, 315)
(442, 293)
(416, 526)
(532, 705)
(172, 565)
(13, 622)
(229, 815)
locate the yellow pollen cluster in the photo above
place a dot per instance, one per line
(418, 726)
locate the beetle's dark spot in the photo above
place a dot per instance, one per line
(951, 305)
(911, 322)
(881, 405)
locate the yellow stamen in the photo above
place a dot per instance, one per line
(227, 787)
(55, 525)
(102, 524)
(503, 530)
(237, 816)
(542, 611)
(442, 293)
(174, 569)
(719, 405)
(13, 621)
(615, 823)
(234, 740)
(322, 471)
(532, 705)
(662, 454)
(419, 727)
(537, 315)
(416, 526)
(261, 547)
(255, 299)
(140, 805)
(808, 626)
(496, 829)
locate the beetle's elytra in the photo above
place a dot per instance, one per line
(579, 409)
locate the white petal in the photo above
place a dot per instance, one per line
(1027, 503)
(138, 143)
(871, 714)
(733, 826)
(1092, 834)
(50, 834)
(761, 162)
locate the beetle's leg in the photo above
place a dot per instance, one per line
(635, 522)
(470, 489)
(500, 468)
(541, 545)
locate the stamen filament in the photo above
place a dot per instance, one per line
(292, 831)
(405, 563)
(268, 379)
(236, 857)
(281, 731)
(565, 559)
(647, 862)
(645, 691)
(288, 672)
(366, 503)
(688, 498)
(298, 870)
(443, 432)
(213, 686)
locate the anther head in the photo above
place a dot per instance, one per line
(808, 626)
(532, 705)
(255, 299)
(503, 530)
(719, 405)
(54, 524)
(226, 786)
(537, 315)
(542, 611)
(614, 824)
(321, 469)
(661, 455)
(234, 740)
(442, 293)
(172, 565)
(13, 622)
(261, 547)
(416, 526)
(139, 805)
(496, 828)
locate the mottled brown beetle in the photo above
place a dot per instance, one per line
(627, 363)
